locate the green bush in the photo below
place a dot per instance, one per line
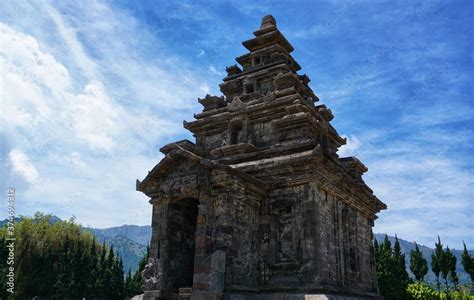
(420, 290)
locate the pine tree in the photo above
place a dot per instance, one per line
(418, 264)
(436, 261)
(128, 284)
(391, 269)
(443, 263)
(118, 279)
(100, 285)
(448, 268)
(92, 266)
(45, 277)
(60, 261)
(75, 284)
(383, 254)
(399, 270)
(108, 274)
(63, 277)
(452, 272)
(468, 263)
(136, 280)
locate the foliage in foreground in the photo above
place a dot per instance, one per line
(420, 290)
(468, 263)
(394, 282)
(60, 260)
(392, 276)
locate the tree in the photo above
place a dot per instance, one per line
(399, 270)
(100, 285)
(383, 252)
(443, 263)
(128, 283)
(3, 266)
(391, 271)
(436, 261)
(135, 285)
(108, 273)
(64, 276)
(452, 271)
(118, 283)
(448, 269)
(77, 284)
(92, 266)
(468, 263)
(418, 264)
(60, 260)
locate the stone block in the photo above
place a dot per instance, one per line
(218, 261)
(202, 278)
(152, 295)
(217, 282)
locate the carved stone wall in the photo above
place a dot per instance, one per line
(261, 206)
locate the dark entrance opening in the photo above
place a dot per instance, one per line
(235, 133)
(182, 218)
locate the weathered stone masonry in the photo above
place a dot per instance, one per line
(261, 206)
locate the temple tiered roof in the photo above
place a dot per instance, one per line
(261, 206)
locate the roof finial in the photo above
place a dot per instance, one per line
(268, 21)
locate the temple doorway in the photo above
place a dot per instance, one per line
(182, 218)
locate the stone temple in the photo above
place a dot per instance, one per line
(260, 206)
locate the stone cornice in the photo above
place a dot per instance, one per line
(315, 165)
(176, 153)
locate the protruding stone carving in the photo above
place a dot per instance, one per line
(236, 104)
(151, 276)
(233, 70)
(211, 102)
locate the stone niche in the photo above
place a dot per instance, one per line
(261, 206)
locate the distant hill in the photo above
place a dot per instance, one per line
(129, 240)
(130, 251)
(3, 222)
(427, 251)
(138, 234)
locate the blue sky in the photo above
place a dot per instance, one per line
(91, 89)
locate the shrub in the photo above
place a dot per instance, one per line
(420, 290)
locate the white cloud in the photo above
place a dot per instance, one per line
(204, 88)
(89, 125)
(95, 117)
(214, 71)
(351, 146)
(427, 192)
(36, 91)
(69, 36)
(75, 159)
(201, 53)
(22, 165)
(24, 53)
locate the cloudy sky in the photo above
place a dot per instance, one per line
(91, 89)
